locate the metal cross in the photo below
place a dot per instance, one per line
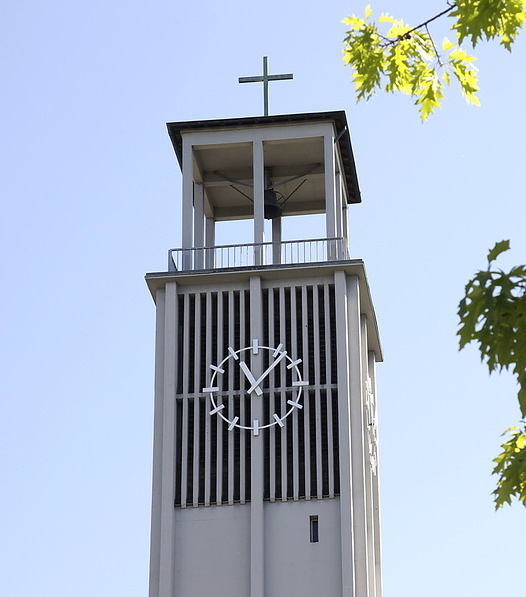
(265, 79)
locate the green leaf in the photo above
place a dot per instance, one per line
(511, 469)
(448, 45)
(406, 59)
(478, 20)
(499, 248)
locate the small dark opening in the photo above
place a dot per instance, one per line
(314, 532)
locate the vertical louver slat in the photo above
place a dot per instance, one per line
(208, 435)
(317, 392)
(232, 388)
(242, 452)
(218, 422)
(186, 372)
(329, 334)
(306, 395)
(282, 395)
(272, 407)
(295, 441)
(197, 370)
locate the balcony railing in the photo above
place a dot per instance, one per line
(316, 250)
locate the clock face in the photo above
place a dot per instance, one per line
(256, 385)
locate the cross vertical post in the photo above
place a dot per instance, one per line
(265, 80)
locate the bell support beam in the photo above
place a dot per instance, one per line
(199, 224)
(330, 192)
(276, 240)
(259, 199)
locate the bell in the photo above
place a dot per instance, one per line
(272, 209)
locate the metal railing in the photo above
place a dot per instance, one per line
(316, 250)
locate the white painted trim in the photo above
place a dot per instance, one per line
(268, 133)
(346, 509)
(167, 534)
(155, 531)
(357, 436)
(369, 516)
(376, 489)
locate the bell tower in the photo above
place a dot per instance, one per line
(265, 475)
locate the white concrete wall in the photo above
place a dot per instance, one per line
(293, 565)
(212, 549)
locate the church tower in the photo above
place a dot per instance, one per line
(265, 476)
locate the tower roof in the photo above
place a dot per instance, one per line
(338, 118)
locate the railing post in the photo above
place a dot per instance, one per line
(171, 264)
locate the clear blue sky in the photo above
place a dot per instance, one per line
(90, 194)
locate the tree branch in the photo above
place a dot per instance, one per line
(407, 34)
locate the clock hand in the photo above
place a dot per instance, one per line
(255, 384)
(262, 377)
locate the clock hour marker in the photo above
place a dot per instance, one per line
(217, 409)
(300, 383)
(255, 427)
(294, 363)
(277, 351)
(211, 389)
(233, 353)
(295, 404)
(218, 369)
(278, 420)
(255, 346)
(233, 423)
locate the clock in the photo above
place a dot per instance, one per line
(256, 387)
(372, 431)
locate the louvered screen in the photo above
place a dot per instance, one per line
(213, 463)
(301, 459)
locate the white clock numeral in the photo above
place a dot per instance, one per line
(295, 404)
(278, 420)
(211, 389)
(217, 409)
